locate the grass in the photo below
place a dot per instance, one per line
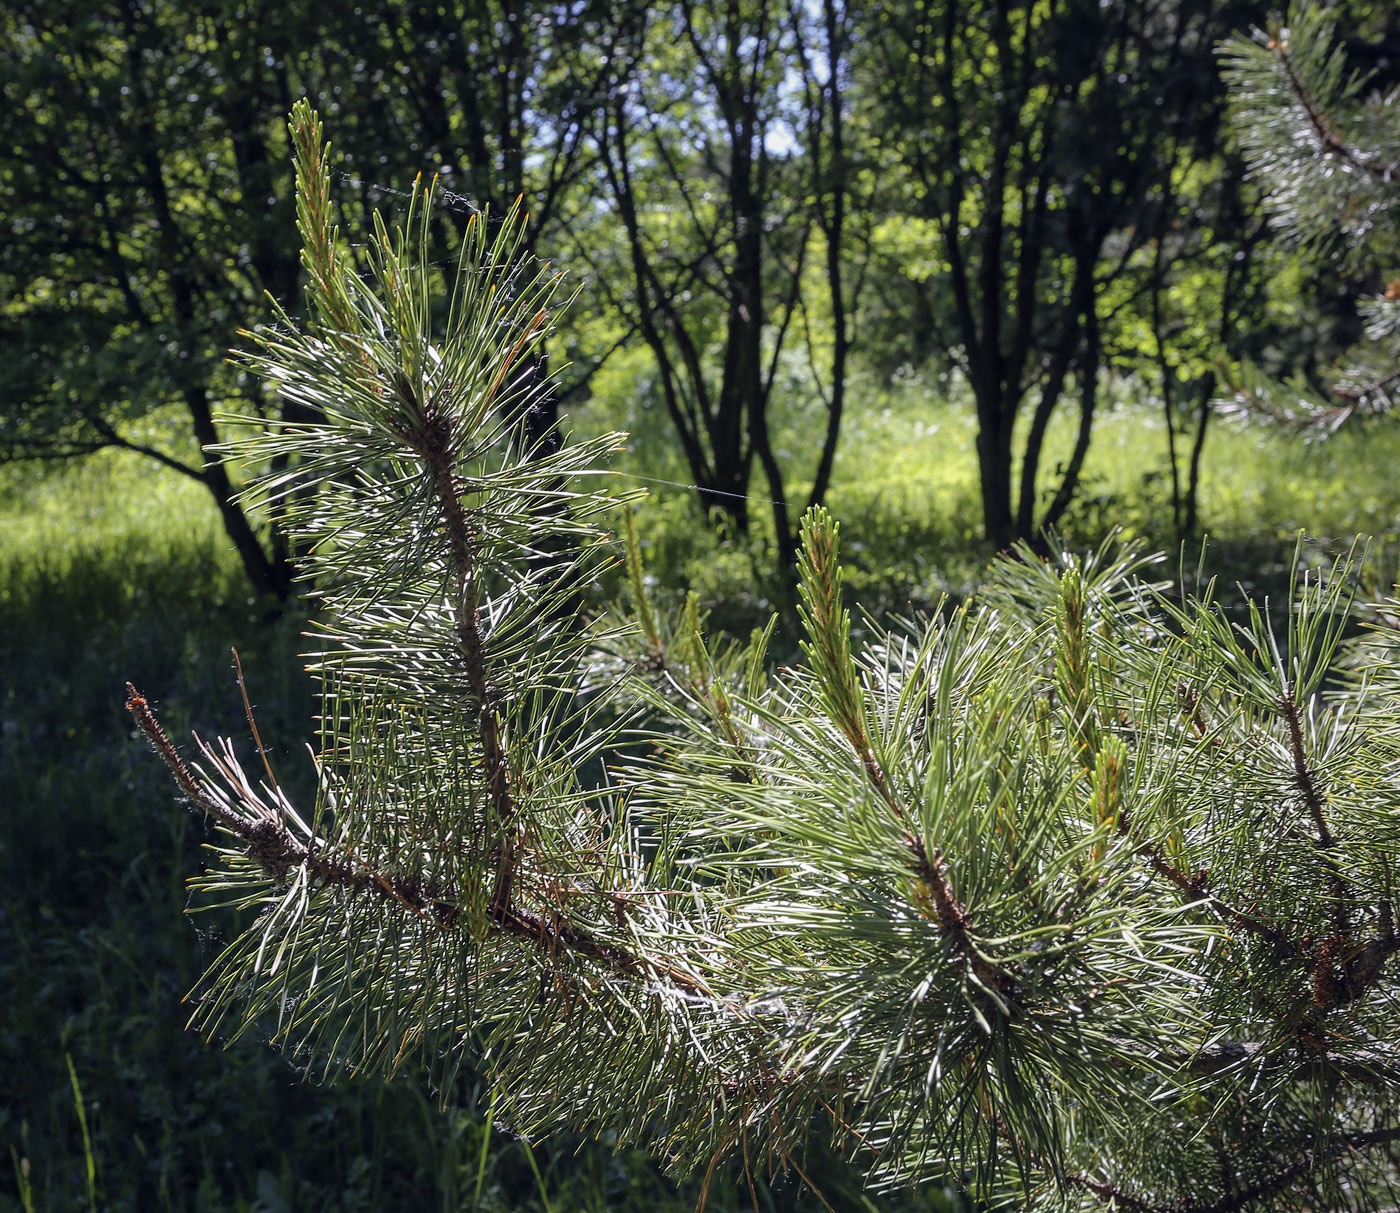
(110, 571)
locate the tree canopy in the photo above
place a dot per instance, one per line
(768, 198)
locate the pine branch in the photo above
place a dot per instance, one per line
(427, 428)
(270, 843)
(1197, 887)
(1325, 130)
(828, 646)
(1362, 1064)
(329, 289)
(1362, 393)
(1245, 1197)
(1326, 991)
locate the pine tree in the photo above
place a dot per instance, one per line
(1325, 148)
(1076, 893)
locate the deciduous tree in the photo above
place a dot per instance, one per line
(1038, 141)
(724, 151)
(147, 191)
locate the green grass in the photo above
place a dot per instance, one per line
(110, 570)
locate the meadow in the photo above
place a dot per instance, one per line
(111, 569)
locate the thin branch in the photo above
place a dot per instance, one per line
(113, 438)
(1360, 1064)
(1328, 139)
(1306, 781)
(269, 842)
(827, 626)
(1365, 391)
(1242, 1198)
(1198, 889)
(1303, 775)
(580, 385)
(428, 430)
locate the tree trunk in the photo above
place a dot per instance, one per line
(1088, 393)
(833, 224)
(269, 574)
(994, 468)
(1190, 506)
(1072, 334)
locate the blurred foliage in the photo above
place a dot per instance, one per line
(147, 199)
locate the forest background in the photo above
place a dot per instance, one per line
(960, 269)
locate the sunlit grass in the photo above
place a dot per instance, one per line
(905, 488)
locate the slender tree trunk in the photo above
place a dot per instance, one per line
(834, 230)
(1190, 505)
(994, 469)
(1168, 380)
(269, 574)
(782, 525)
(1040, 422)
(836, 408)
(1169, 418)
(731, 456)
(1089, 386)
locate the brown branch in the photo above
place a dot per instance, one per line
(1364, 391)
(1306, 781)
(1358, 400)
(1303, 776)
(955, 922)
(828, 649)
(269, 842)
(1191, 708)
(1359, 1064)
(1342, 977)
(1327, 137)
(1120, 1199)
(428, 429)
(1341, 973)
(1197, 888)
(113, 438)
(146, 721)
(252, 722)
(1320, 419)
